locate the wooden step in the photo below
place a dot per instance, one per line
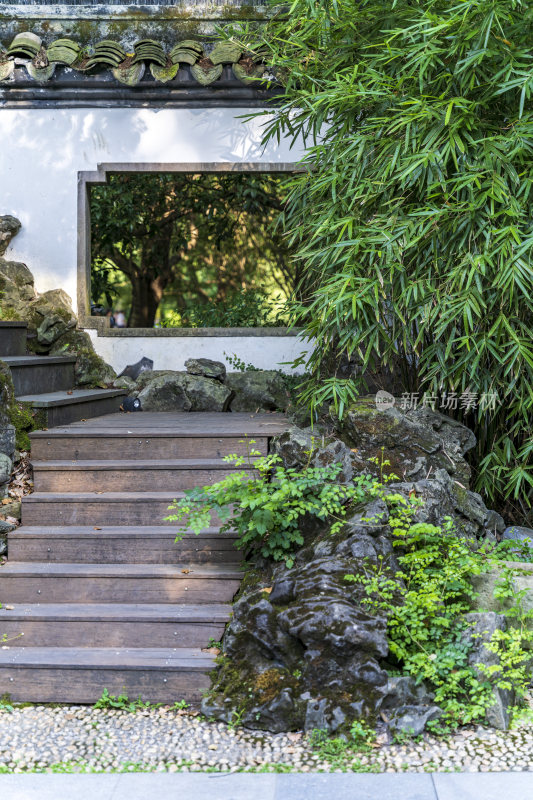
(12, 338)
(60, 408)
(48, 446)
(79, 675)
(121, 545)
(103, 595)
(130, 476)
(113, 625)
(40, 374)
(106, 508)
(25, 582)
(158, 436)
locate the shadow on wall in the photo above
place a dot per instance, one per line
(43, 150)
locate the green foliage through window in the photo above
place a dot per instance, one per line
(180, 248)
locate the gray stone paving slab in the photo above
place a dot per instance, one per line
(219, 786)
(213, 786)
(355, 787)
(34, 786)
(485, 785)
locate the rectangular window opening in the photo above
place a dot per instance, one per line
(185, 248)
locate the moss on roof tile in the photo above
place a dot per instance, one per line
(26, 49)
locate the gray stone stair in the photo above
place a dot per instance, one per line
(13, 338)
(46, 383)
(63, 407)
(41, 374)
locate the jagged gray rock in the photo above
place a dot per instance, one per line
(179, 391)
(308, 653)
(482, 626)
(51, 316)
(17, 288)
(306, 657)
(6, 466)
(522, 536)
(206, 367)
(9, 227)
(522, 583)
(257, 390)
(417, 442)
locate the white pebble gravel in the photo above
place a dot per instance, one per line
(81, 738)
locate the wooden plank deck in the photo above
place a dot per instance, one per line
(178, 424)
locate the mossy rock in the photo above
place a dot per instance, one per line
(486, 584)
(9, 226)
(16, 289)
(16, 419)
(258, 390)
(90, 369)
(49, 316)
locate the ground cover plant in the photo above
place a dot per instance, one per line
(413, 220)
(426, 602)
(266, 510)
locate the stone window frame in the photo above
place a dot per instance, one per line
(98, 177)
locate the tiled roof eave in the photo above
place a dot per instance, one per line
(68, 90)
(26, 59)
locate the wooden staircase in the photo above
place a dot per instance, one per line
(103, 595)
(46, 383)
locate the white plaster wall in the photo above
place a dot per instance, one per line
(263, 352)
(41, 153)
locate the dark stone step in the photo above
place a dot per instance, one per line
(41, 374)
(12, 338)
(62, 407)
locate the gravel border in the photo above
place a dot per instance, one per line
(84, 739)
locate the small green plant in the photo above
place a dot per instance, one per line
(361, 734)
(122, 702)
(340, 751)
(236, 718)
(181, 705)
(425, 603)
(214, 643)
(265, 510)
(239, 365)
